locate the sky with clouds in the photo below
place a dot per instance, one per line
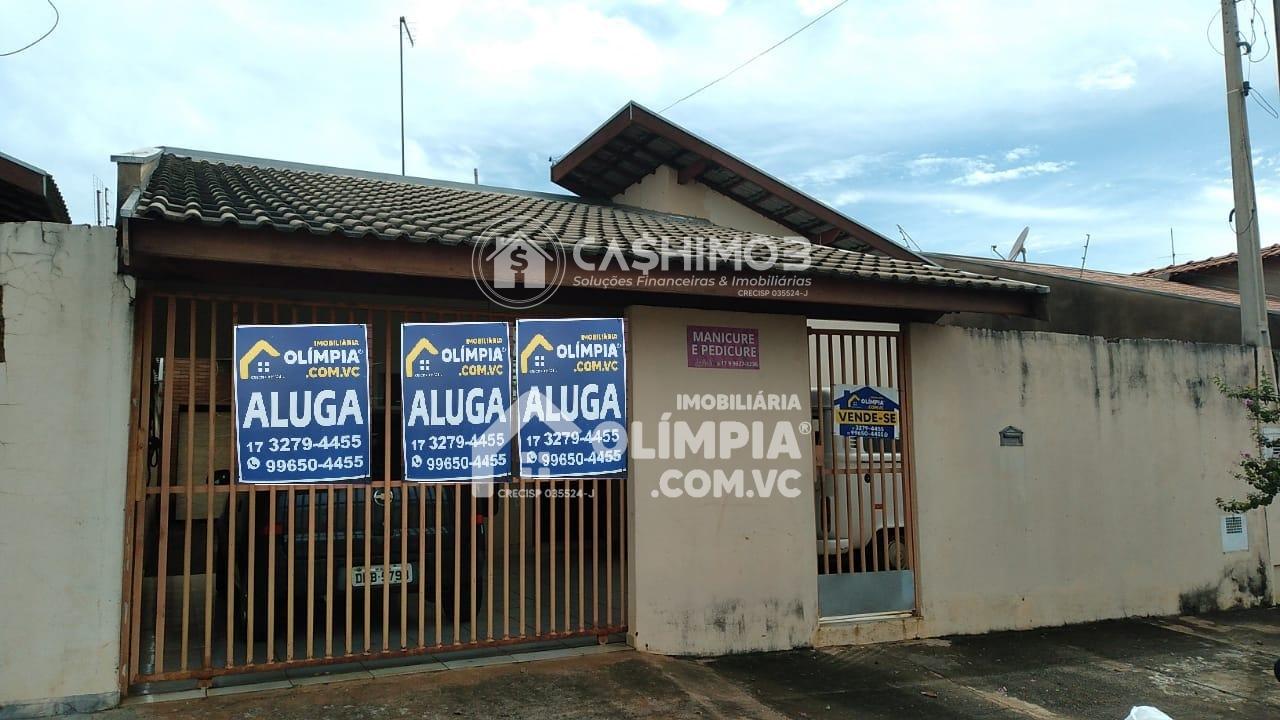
(960, 121)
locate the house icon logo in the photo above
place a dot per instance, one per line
(254, 362)
(518, 263)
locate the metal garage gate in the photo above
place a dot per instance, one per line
(222, 577)
(864, 494)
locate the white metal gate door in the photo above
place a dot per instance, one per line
(864, 489)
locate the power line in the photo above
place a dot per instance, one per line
(759, 55)
(56, 17)
(1265, 38)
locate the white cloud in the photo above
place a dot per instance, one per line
(839, 169)
(1019, 153)
(986, 176)
(930, 164)
(984, 205)
(814, 7)
(1113, 76)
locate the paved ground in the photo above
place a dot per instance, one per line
(1190, 667)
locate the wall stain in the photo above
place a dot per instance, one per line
(1195, 388)
(1200, 600)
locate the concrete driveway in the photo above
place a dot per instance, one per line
(1190, 667)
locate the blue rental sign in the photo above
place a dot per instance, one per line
(302, 403)
(456, 396)
(571, 381)
(866, 411)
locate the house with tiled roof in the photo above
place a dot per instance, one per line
(1221, 272)
(1084, 301)
(369, 420)
(29, 193)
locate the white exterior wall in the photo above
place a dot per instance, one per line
(1106, 511)
(710, 575)
(64, 407)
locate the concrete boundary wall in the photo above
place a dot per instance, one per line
(64, 409)
(1106, 511)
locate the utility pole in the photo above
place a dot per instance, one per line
(1254, 329)
(402, 29)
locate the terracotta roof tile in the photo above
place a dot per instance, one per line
(212, 189)
(1270, 251)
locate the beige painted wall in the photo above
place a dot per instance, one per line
(1107, 511)
(662, 191)
(64, 406)
(730, 574)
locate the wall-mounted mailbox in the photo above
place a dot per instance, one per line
(1011, 437)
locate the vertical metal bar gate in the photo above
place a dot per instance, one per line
(864, 499)
(222, 577)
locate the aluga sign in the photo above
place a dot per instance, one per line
(456, 392)
(302, 402)
(572, 395)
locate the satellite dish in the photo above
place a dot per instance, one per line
(1019, 245)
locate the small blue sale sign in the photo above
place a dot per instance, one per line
(302, 403)
(866, 411)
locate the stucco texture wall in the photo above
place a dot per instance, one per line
(1108, 509)
(713, 575)
(661, 191)
(64, 407)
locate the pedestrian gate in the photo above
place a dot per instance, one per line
(222, 577)
(864, 490)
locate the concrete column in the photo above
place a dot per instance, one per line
(720, 573)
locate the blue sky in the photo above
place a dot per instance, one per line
(961, 121)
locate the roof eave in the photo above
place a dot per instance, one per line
(193, 244)
(635, 114)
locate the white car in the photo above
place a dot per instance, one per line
(868, 527)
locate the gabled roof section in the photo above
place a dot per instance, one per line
(29, 193)
(1172, 272)
(191, 187)
(636, 141)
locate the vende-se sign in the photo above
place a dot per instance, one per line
(726, 348)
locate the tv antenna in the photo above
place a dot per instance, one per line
(1020, 245)
(1085, 255)
(402, 30)
(908, 241)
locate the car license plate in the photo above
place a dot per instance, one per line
(381, 575)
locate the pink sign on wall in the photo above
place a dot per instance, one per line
(724, 347)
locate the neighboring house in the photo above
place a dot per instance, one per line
(1113, 305)
(29, 193)
(1221, 272)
